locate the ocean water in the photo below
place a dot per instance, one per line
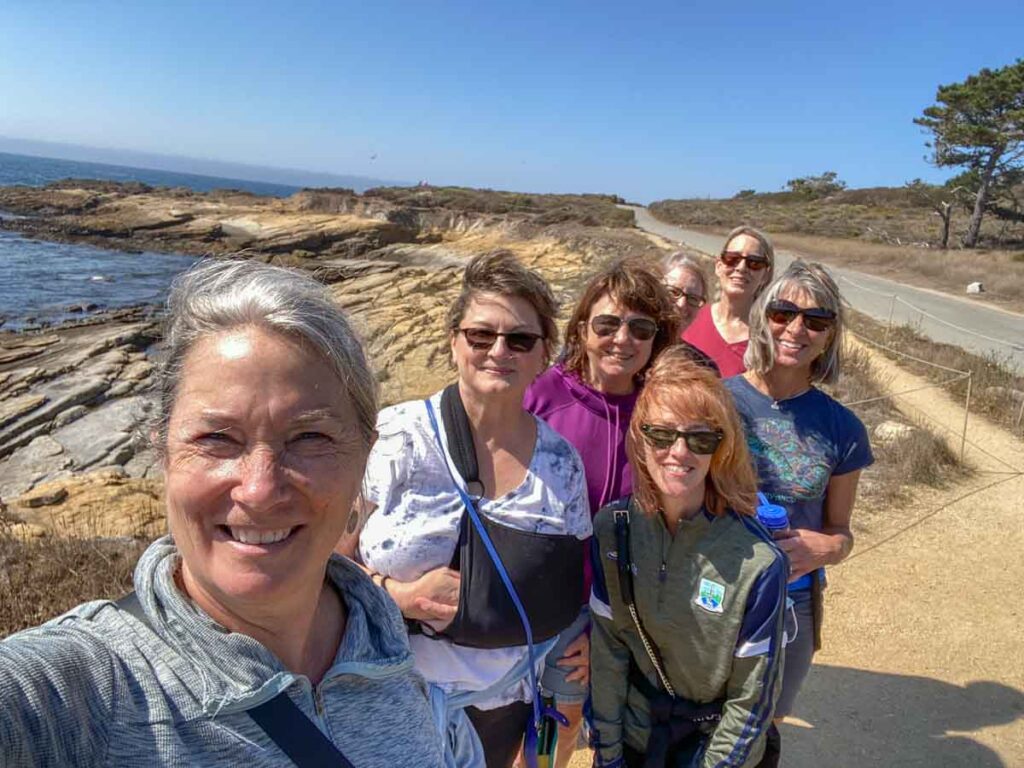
(43, 281)
(38, 171)
(40, 281)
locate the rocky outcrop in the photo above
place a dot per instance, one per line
(75, 404)
(310, 224)
(72, 399)
(104, 503)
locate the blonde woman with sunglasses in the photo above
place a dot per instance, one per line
(808, 449)
(688, 591)
(743, 268)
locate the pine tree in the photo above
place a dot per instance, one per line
(979, 124)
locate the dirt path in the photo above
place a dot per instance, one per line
(923, 663)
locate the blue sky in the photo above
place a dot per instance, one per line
(647, 100)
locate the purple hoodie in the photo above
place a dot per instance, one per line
(594, 422)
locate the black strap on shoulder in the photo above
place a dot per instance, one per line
(280, 718)
(460, 439)
(624, 561)
(296, 735)
(130, 604)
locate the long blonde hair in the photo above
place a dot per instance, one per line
(691, 392)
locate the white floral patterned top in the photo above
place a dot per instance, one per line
(415, 527)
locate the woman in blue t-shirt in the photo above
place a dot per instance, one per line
(808, 449)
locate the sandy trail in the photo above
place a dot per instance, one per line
(923, 663)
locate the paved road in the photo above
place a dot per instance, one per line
(979, 328)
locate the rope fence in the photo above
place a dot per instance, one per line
(957, 377)
(895, 298)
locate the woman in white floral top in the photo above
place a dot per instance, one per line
(502, 331)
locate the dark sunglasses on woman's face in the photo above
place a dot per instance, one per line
(700, 441)
(692, 299)
(816, 319)
(516, 341)
(640, 328)
(732, 259)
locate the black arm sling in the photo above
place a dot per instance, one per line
(675, 721)
(280, 718)
(545, 569)
(511, 578)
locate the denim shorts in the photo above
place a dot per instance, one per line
(553, 682)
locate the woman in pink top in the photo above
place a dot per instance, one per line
(743, 268)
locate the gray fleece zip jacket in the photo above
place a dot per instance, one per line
(96, 687)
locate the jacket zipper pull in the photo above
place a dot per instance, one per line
(662, 572)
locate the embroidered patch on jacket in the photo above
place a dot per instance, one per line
(710, 596)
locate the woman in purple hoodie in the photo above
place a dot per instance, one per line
(624, 318)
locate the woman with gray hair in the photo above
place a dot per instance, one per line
(246, 642)
(743, 268)
(807, 448)
(687, 285)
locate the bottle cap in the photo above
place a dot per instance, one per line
(772, 516)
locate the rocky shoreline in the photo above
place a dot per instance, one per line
(72, 397)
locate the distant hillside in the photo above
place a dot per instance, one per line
(892, 215)
(589, 210)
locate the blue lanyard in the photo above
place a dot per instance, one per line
(539, 711)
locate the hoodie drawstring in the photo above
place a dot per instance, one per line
(611, 453)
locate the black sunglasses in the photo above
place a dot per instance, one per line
(731, 259)
(700, 441)
(692, 299)
(640, 328)
(516, 341)
(816, 319)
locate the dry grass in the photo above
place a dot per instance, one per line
(43, 577)
(860, 229)
(920, 457)
(997, 388)
(1002, 272)
(881, 215)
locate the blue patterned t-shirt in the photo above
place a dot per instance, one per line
(798, 445)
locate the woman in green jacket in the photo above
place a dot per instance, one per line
(689, 591)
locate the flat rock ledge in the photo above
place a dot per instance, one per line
(71, 401)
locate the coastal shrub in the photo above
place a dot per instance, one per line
(888, 215)
(920, 457)
(586, 209)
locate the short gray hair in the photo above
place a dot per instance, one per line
(683, 260)
(811, 277)
(220, 295)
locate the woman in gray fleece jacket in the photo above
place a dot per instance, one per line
(264, 419)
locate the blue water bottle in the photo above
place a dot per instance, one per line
(772, 516)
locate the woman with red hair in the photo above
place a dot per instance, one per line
(689, 590)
